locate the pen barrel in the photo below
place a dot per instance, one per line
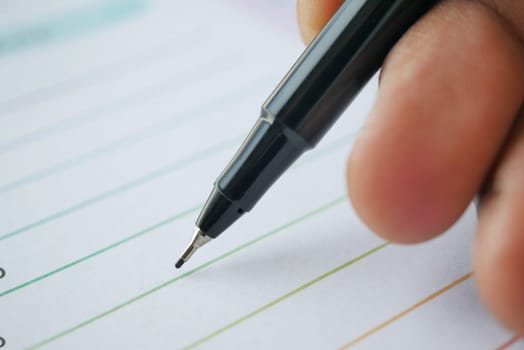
(310, 98)
(339, 62)
(267, 152)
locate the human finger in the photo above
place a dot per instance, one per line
(313, 15)
(499, 250)
(449, 93)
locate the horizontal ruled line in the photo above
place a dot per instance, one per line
(283, 297)
(103, 250)
(170, 282)
(142, 180)
(314, 156)
(114, 69)
(166, 125)
(134, 98)
(405, 312)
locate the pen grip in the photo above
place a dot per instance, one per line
(338, 63)
(264, 156)
(318, 88)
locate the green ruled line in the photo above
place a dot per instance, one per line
(105, 249)
(127, 186)
(151, 291)
(343, 141)
(286, 296)
(172, 84)
(201, 112)
(313, 156)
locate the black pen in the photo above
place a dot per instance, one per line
(318, 88)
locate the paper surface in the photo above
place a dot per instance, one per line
(115, 119)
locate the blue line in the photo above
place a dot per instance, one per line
(200, 112)
(69, 24)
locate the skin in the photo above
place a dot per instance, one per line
(455, 129)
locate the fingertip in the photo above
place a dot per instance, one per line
(436, 128)
(499, 258)
(394, 187)
(499, 262)
(313, 15)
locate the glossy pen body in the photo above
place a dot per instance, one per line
(308, 101)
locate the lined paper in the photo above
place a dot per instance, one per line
(113, 127)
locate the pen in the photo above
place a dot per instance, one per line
(307, 102)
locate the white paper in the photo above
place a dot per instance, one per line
(111, 136)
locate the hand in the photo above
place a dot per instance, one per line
(448, 123)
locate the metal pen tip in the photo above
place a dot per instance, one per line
(198, 240)
(179, 263)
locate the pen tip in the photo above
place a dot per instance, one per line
(198, 240)
(179, 263)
